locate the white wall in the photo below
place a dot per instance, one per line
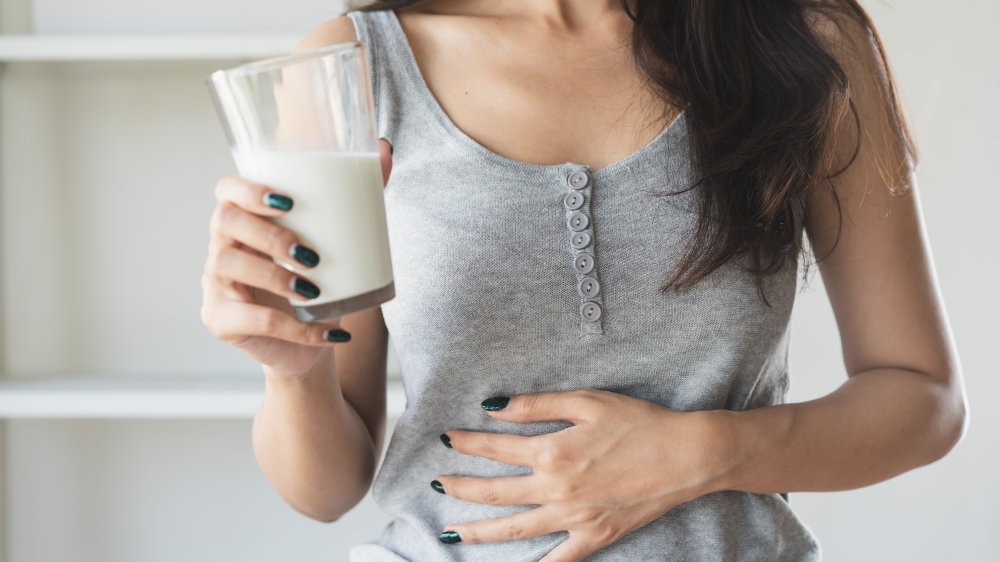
(190, 490)
(100, 274)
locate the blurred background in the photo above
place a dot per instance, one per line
(125, 426)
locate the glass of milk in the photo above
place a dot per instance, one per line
(304, 123)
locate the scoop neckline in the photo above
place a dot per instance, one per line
(456, 134)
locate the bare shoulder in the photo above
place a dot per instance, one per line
(873, 152)
(341, 29)
(839, 24)
(335, 30)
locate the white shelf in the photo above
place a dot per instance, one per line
(175, 396)
(188, 47)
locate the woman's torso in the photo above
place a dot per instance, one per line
(490, 261)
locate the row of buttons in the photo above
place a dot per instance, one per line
(583, 263)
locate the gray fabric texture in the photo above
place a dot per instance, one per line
(488, 303)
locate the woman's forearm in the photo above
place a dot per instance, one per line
(878, 424)
(311, 444)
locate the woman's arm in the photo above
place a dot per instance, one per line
(904, 404)
(318, 437)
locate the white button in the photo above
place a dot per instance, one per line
(578, 180)
(580, 240)
(590, 311)
(589, 287)
(584, 263)
(573, 200)
(578, 221)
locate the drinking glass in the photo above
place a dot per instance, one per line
(304, 123)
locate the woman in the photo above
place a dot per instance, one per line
(597, 212)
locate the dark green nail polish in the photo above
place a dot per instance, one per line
(278, 201)
(305, 288)
(450, 537)
(495, 403)
(304, 255)
(446, 440)
(337, 335)
(438, 487)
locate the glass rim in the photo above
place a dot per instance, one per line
(270, 63)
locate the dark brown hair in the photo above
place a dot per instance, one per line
(763, 92)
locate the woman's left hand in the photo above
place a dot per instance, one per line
(623, 463)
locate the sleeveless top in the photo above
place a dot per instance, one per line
(514, 277)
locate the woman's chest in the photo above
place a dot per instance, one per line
(582, 103)
(484, 256)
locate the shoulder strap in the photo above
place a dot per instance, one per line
(367, 33)
(387, 52)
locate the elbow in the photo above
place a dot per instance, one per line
(952, 421)
(329, 511)
(958, 425)
(320, 516)
(337, 505)
(326, 517)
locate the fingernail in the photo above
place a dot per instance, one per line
(337, 335)
(450, 537)
(446, 440)
(495, 403)
(304, 255)
(278, 201)
(438, 487)
(305, 287)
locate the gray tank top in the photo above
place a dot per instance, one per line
(515, 277)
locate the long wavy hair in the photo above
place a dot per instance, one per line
(762, 93)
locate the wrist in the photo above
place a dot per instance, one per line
(751, 442)
(727, 449)
(314, 382)
(298, 395)
(320, 371)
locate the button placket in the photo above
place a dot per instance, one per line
(580, 235)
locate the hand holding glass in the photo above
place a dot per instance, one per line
(304, 123)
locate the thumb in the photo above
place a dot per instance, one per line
(385, 151)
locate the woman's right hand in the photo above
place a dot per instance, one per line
(245, 293)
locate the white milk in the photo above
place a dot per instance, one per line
(338, 210)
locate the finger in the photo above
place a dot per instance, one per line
(501, 490)
(501, 447)
(226, 288)
(573, 549)
(230, 221)
(253, 197)
(533, 522)
(229, 264)
(234, 321)
(569, 405)
(218, 290)
(385, 152)
(214, 242)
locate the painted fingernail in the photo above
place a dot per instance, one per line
(337, 335)
(446, 440)
(278, 201)
(450, 537)
(438, 487)
(495, 403)
(305, 288)
(304, 255)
